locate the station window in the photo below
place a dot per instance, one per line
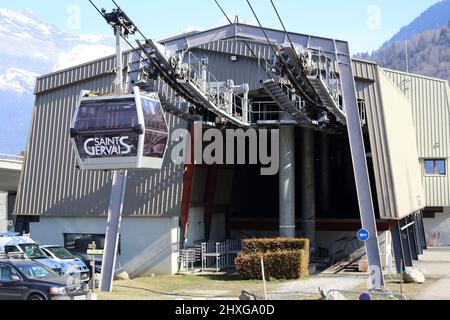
(435, 167)
(79, 242)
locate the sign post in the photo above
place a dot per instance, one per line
(91, 254)
(263, 277)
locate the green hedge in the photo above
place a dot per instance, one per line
(286, 264)
(283, 258)
(274, 245)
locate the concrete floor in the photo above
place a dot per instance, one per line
(305, 289)
(435, 264)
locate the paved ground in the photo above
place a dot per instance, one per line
(435, 264)
(309, 288)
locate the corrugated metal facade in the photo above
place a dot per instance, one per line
(367, 89)
(430, 101)
(243, 70)
(51, 185)
(396, 169)
(239, 48)
(397, 125)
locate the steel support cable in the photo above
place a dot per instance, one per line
(286, 32)
(171, 82)
(180, 90)
(246, 43)
(282, 24)
(262, 29)
(122, 36)
(154, 63)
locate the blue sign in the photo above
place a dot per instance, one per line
(363, 235)
(365, 297)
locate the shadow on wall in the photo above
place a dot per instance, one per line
(155, 258)
(154, 193)
(157, 192)
(147, 193)
(92, 203)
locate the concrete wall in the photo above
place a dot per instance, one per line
(148, 245)
(196, 226)
(199, 207)
(437, 230)
(11, 202)
(3, 212)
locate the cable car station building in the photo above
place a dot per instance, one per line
(404, 120)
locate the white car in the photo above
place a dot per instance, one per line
(70, 265)
(15, 244)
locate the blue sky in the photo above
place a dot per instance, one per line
(366, 24)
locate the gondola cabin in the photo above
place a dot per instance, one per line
(119, 131)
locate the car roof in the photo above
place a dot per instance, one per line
(19, 262)
(15, 240)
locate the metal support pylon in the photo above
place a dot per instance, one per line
(118, 187)
(113, 230)
(359, 160)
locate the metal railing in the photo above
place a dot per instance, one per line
(269, 110)
(209, 256)
(264, 111)
(325, 72)
(11, 157)
(218, 92)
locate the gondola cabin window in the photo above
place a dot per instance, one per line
(105, 129)
(156, 131)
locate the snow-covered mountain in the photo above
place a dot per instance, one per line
(30, 47)
(17, 81)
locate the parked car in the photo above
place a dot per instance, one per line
(13, 244)
(70, 265)
(87, 261)
(30, 280)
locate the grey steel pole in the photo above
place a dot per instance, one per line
(119, 61)
(325, 173)
(287, 182)
(360, 170)
(3, 212)
(117, 196)
(308, 187)
(113, 230)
